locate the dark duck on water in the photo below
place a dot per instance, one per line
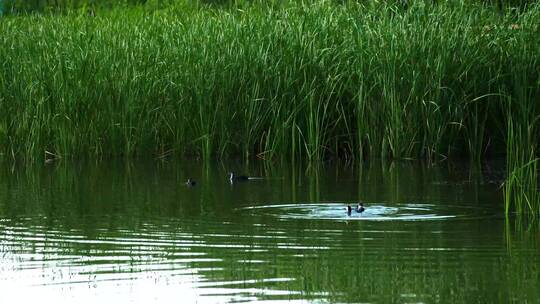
(190, 183)
(360, 208)
(237, 178)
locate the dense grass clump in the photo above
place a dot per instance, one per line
(291, 80)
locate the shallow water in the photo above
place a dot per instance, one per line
(135, 233)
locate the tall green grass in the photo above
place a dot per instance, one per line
(522, 193)
(24, 6)
(297, 81)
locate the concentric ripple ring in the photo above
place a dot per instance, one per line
(373, 212)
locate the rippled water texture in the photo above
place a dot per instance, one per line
(373, 211)
(116, 232)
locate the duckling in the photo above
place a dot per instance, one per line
(191, 183)
(360, 208)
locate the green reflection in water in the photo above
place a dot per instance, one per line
(119, 229)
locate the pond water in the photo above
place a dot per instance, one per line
(135, 233)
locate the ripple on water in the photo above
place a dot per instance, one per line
(373, 212)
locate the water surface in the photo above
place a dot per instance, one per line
(133, 232)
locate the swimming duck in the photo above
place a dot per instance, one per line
(237, 178)
(360, 208)
(191, 183)
(349, 209)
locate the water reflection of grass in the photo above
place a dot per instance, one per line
(141, 223)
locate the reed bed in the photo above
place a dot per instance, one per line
(296, 81)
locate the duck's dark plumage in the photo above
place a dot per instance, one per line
(237, 178)
(360, 208)
(190, 182)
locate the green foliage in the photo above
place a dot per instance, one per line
(22, 6)
(277, 80)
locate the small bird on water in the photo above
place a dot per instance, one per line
(237, 178)
(349, 209)
(360, 208)
(190, 183)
